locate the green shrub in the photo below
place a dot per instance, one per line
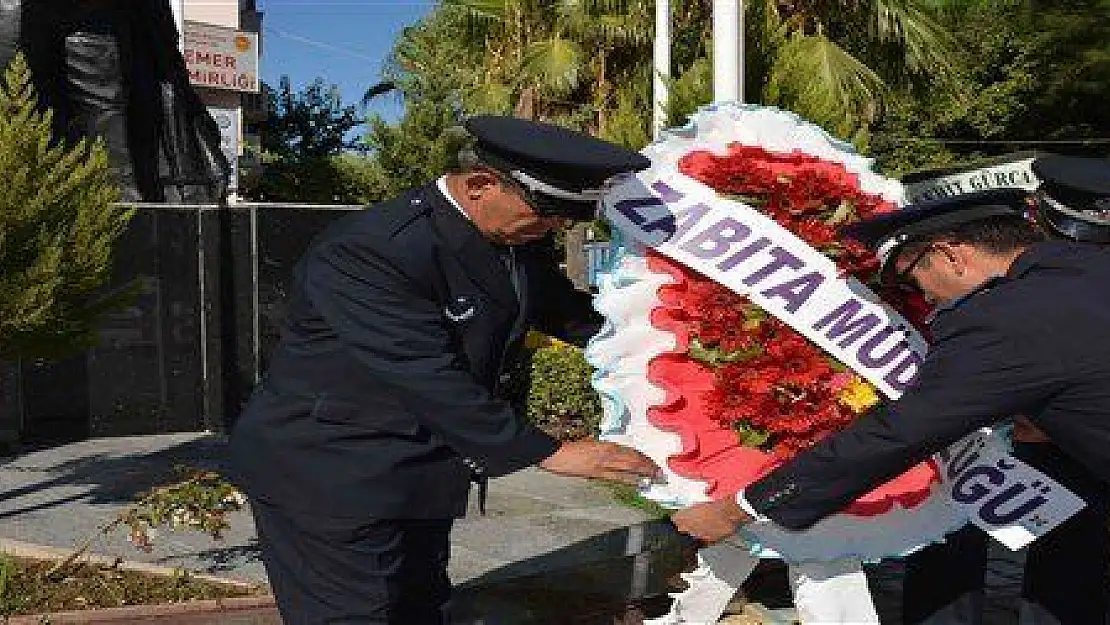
(551, 385)
(323, 179)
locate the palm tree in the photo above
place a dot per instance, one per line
(557, 59)
(830, 61)
(586, 64)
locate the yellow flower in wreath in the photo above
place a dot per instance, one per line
(859, 395)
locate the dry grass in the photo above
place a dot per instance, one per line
(26, 589)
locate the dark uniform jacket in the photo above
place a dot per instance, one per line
(401, 319)
(1035, 342)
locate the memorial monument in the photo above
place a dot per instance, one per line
(113, 70)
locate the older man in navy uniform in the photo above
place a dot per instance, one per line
(1021, 329)
(378, 409)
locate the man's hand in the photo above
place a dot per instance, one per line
(601, 460)
(712, 521)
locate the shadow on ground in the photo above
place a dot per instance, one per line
(58, 496)
(220, 559)
(111, 478)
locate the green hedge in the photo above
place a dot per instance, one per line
(551, 385)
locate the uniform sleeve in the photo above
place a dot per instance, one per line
(975, 375)
(400, 336)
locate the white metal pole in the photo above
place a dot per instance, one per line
(728, 50)
(662, 65)
(178, 8)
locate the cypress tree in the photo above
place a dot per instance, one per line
(58, 223)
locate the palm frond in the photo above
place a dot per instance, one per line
(623, 30)
(693, 88)
(479, 18)
(959, 8)
(379, 89)
(772, 26)
(555, 65)
(597, 7)
(927, 46)
(612, 22)
(819, 80)
(495, 10)
(488, 97)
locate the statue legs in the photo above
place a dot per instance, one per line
(96, 87)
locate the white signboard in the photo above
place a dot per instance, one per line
(221, 58)
(228, 121)
(1018, 174)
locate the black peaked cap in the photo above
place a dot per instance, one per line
(887, 233)
(1073, 199)
(1067, 176)
(560, 157)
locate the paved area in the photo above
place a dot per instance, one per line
(547, 545)
(60, 495)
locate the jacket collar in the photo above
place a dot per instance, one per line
(1058, 254)
(955, 302)
(469, 248)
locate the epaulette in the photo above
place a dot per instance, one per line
(403, 212)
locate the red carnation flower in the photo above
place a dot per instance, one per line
(768, 378)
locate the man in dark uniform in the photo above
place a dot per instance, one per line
(1021, 329)
(1072, 202)
(379, 408)
(945, 583)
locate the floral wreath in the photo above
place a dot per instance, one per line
(706, 381)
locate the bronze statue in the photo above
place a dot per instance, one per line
(112, 69)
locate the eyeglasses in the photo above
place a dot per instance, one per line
(905, 278)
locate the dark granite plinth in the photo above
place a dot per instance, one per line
(208, 288)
